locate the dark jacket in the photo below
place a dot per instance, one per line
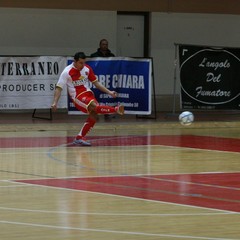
(100, 54)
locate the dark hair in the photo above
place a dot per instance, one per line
(79, 55)
(103, 40)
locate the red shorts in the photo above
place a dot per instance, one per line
(83, 100)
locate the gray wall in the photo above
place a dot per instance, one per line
(197, 29)
(63, 32)
(54, 32)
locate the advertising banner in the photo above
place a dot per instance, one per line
(209, 77)
(130, 78)
(29, 82)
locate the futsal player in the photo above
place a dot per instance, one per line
(75, 76)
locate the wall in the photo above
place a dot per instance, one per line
(54, 32)
(26, 31)
(184, 6)
(197, 29)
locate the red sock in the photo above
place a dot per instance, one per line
(88, 125)
(105, 109)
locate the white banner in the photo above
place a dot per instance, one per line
(29, 82)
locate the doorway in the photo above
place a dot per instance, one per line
(133, 34)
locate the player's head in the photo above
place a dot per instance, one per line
(79, 60)
(103, 44)
(79, 55)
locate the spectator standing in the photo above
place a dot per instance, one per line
(103, 50)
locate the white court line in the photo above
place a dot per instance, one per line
(127, 197)
(149, 145)
(151, 178)
(14, 186)
(107, 150)
(111, 231)
(159, 144)
(137, 136)
(191, 183)
(116, 214)
(113, 175)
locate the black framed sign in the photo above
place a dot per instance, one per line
(209, 77)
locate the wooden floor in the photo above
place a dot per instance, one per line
(142, 179)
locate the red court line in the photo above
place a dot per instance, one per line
(156, 188)
(191, 141)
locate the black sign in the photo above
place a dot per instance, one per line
(209, 77)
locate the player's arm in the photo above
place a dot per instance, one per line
(56, 97)
(58, 90)
(99, 86)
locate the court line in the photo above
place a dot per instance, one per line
(111, 231)
(24, 173)
(11, 186)
(96, 150)
(133, 175)
(146, 145)
(51, 151)
(79, 180)
(127, 197)
(117, 214)
(155, 145)
(190, 183)
(143, 176)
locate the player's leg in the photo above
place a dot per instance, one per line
(86, 102)
(89, 123)
(86, 128)
(103, 109)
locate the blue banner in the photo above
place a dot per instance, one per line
(130, 78)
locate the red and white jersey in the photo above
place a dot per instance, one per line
(76, 81)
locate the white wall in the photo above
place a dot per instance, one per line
(54, 32)
(196, 29)
(63, 32)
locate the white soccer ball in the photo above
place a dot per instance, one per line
(186, 118)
